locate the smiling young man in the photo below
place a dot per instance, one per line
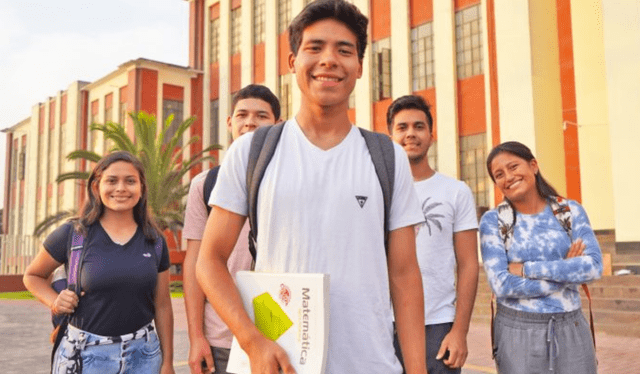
(446, 241)
(209, 338)
(321, 210)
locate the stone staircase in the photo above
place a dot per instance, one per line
(615, 304)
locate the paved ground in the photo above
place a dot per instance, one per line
(25, 328)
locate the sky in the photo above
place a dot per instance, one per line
(45, 45)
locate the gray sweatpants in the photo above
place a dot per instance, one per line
(531, 343)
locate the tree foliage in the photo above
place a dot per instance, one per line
(164, 160)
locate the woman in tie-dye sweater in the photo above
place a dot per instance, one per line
(535, 268)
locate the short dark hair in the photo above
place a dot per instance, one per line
(545, 190)
(409, 102)
(256, 91)
(341, 11)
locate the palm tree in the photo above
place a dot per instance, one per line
(163, 160)
(431, 218)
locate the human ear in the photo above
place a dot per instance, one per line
(292, 60)
(534, 165)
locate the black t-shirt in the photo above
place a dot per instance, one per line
(119, 281)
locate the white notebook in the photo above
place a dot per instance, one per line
(293, 310)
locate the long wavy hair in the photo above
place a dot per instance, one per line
(93, 208)
(545, 190)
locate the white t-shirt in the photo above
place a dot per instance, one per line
(312, 218)
(448, 207)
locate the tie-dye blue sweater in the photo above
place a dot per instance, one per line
(551, 282)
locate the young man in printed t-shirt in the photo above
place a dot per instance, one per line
(310, 215)
(448, 239)
(210, 339)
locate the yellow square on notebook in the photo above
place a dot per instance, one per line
(271, 320)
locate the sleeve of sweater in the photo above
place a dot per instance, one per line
(574, 270)
(494, 257)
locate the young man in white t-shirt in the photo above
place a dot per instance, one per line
(209, 338)
(447, 240)
(320, 210)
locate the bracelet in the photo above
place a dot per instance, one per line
(522, 271)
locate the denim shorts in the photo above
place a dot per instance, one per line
(135, 353)
(559, 343)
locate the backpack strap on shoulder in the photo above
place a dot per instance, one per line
(76, 256)
(209, 183)
(263, 147)
(562, 212)
(383, 156)
(506, 222)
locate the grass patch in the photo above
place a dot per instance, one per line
(176, 289)
(21, 295)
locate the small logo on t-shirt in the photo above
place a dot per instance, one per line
(146, 254)
(361, 200)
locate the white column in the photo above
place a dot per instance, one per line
(592, 109)
(401, 49)
(31, 206)
(364, 105)
(529, 82)
(271, 45)
(446, 82)
(622, 54)
(487, 86)
(224, 74)
(247, 43)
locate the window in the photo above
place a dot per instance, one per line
(22, 163)
(214, 130)
(50, 164)
(14, 168)
(422, 57)
(381, 69)
(469, 42)
(94, 133)
(258, 21)
(123, 113)
(214, 40)
(170, 107)
(284, 15)
(235, 30)
(284, 94)
(473, 169)
(20, 222)
(108, 114)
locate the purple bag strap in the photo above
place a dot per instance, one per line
(77, 243)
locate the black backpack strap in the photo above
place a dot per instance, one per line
(263, 146)
(209, 183)
(383, 156)
(75, 259)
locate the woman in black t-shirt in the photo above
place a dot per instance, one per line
(124, 279)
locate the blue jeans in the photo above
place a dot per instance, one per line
(138, 355)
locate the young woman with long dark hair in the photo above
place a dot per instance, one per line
(124, 278)
(535, 259)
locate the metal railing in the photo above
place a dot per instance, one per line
(16, 252)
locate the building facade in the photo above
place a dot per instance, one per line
(37, 147)
(558, 75)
